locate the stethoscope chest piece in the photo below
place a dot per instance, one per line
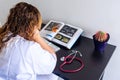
(69, 59)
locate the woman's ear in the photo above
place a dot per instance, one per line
(38, 27)
(35, 28)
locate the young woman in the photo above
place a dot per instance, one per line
(23, 53)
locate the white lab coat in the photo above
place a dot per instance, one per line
(26, 60)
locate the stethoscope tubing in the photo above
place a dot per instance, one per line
(71, 71)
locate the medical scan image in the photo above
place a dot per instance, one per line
(62, 38)
(68, 30)
(53, 26)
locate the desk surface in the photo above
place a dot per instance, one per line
(94, 62)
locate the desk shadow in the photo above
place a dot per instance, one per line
(61, 77)
(96, 55)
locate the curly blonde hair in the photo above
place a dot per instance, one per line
(22, 19)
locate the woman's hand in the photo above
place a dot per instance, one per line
(37, 38)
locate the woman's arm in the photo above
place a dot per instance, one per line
(37, 38)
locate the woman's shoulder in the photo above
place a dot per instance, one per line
(20, 41)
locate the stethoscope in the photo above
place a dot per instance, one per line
(69, 59)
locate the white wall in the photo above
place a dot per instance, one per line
(91, 15)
